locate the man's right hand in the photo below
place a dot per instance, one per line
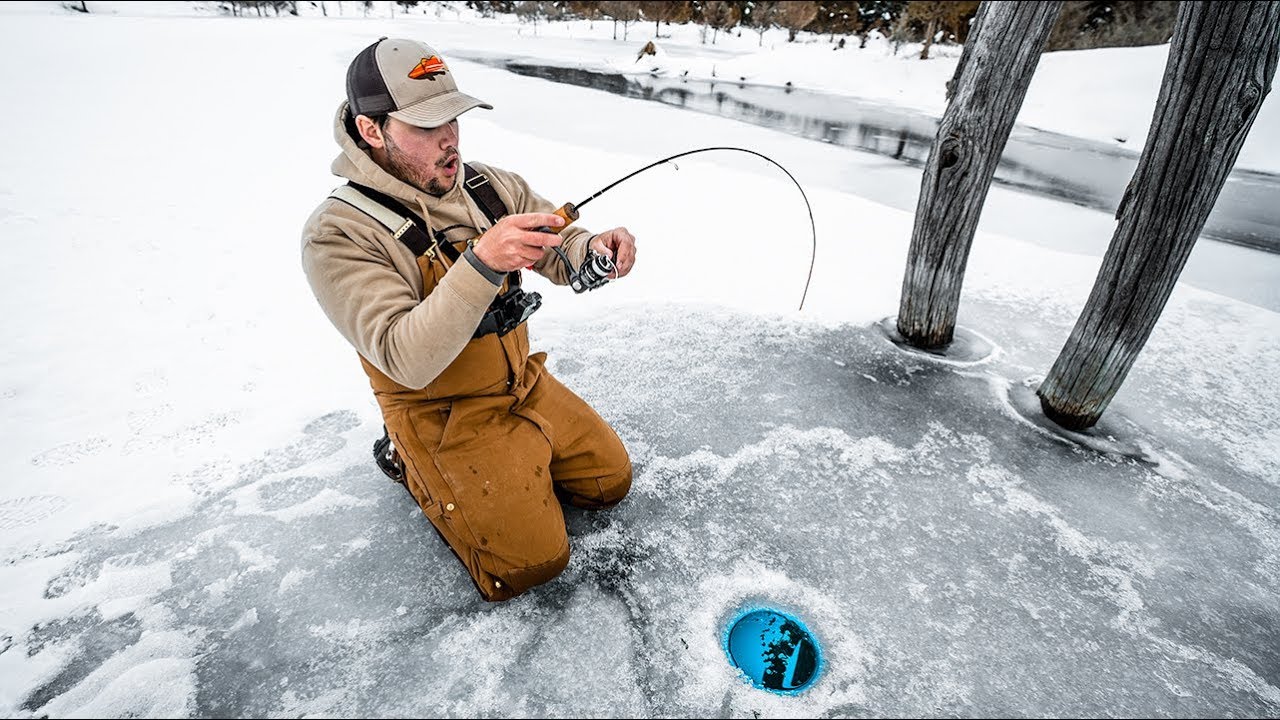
(513, 243)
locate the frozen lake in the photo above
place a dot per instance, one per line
(1235, 256)
(952, 559)
(1068, 168)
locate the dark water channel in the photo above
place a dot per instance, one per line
(1080, 171)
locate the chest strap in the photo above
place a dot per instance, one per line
(410, 229)
(404, 225)
(413, 231)
(482, 191)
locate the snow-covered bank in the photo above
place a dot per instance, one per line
(1107, 94)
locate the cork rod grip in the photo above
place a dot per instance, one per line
(567, 212)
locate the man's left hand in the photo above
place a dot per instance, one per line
(620, 246)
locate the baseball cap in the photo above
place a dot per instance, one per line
(407, 80)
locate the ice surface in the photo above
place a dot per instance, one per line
(950, 559)
(966, 348)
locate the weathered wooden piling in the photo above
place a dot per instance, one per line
(1221, 63)
(991, 81)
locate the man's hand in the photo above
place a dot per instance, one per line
(620, 246)
(512, 243)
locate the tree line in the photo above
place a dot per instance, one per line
(239, 8)
(1080, 25)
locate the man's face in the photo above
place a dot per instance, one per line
(428, 159)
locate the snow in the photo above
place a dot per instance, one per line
(193, 527)
(1107, 95)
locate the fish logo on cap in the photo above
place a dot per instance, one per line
(428, 68)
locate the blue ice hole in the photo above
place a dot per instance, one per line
(774, 650)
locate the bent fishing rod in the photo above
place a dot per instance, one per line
(596, 268)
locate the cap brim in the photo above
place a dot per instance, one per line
(436, 111)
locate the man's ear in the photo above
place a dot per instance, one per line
(369, 131)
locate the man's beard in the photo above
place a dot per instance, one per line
(408, 173)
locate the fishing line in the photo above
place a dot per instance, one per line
(812, 226)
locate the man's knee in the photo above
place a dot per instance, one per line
(614, 487)
(595, 492)
(509, 580)
(614, 460)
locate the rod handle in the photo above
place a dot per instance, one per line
(567, 212)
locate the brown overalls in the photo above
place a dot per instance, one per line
(490, 448)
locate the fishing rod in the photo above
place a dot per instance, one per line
(596, 268)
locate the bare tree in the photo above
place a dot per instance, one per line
(991, 81)
(796, 16)
(667, 12)
(1122, 23)
(837, 17)
(949, 17)
(930, 12)
(589, 9)
(763, 16)
(530, 10)
(624, 11)
(877, 16)
(721, 16)
(1221, 64)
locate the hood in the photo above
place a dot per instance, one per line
(358, 166)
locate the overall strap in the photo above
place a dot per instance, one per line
(404, 224)
(482, 191)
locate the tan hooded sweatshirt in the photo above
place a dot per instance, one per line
(370, 286)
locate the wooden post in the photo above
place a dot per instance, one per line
(1221, 64)
(991, 80)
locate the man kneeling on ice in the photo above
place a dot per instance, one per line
(419, 269)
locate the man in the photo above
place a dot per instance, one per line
(411, 263)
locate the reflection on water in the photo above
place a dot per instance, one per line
(1081, 171)
(774, 650)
